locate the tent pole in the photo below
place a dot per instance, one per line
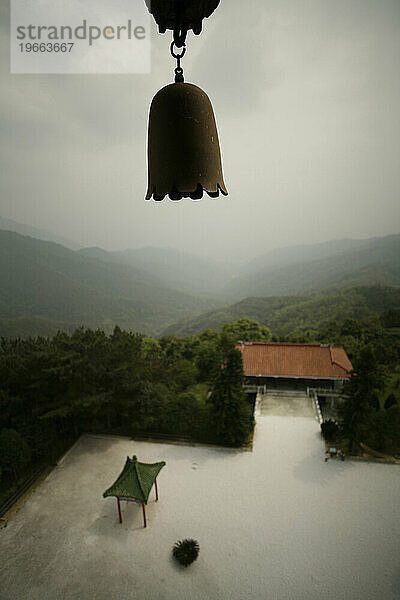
(119, 510)
(156, 489)
(144, 515)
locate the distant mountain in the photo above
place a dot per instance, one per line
(40, 234)
(45, 286)
(283, 257)
(25, 326)
(179, 270)
(50, 283)
(286, 314)
(343, 264)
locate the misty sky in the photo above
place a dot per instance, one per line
(307, 100)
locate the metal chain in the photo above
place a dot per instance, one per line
(178, 70)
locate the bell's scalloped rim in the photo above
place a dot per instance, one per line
(196, 194)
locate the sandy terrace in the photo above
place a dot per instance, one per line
(277, 523)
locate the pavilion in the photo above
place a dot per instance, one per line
(134, 483)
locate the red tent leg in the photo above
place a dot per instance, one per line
(119, 510)
(144, 515)
(156, 490)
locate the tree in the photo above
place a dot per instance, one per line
(391, 318)
(184, 414)
(231, 415)
(246, 330)
(172, 348)
(330, 430)
(208, 358)
(182, 374)
(150, 349)
(392, 441)
(361, 397)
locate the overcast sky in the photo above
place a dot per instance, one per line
(306, 96)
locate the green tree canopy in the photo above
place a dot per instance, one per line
(362, 397)
(247, 330)
(231, 415)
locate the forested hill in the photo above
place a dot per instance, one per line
(299, 270)
(298, 313)
(289, 255)
(44, 285)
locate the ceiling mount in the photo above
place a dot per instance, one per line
(181, 15)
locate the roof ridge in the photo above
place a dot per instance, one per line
(333, 361)
(314, 345)
(135, 462)
(125, 473)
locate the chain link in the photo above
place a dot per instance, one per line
(178, 70)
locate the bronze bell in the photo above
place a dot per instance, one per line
(183, 150)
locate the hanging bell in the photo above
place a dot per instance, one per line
(183, 150)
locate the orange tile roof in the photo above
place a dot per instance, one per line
(294, 360)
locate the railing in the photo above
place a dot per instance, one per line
(317, 409)
(255, 389)
(323, 392)
(166, 437)
(27, 483)
(250, 389)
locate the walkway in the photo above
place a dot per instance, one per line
(277, 523)
(289, 404)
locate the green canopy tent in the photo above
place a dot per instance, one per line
(134, 483)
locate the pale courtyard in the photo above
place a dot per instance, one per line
(274, 523)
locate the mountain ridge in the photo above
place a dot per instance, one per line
(375, 261)
(183, 271)
(45, 285)
(285, 314)
(41, 279)
(37, 233)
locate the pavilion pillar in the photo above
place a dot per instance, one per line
(144, 514)
(156, 490)
(119, 510)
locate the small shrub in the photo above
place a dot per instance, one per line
(186, 551)
(330, 430)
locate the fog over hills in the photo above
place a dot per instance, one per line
(40, 234)
(43, 280)
(320, 266)
(282, 257)
(180, 270)
(45, 286)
